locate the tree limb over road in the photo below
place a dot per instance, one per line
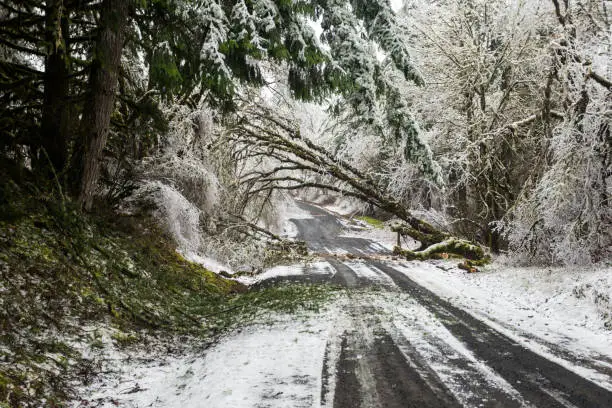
(299, 163)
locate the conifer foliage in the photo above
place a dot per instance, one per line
(81, 80)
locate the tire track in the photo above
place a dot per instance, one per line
(373, 372)
(540, 381)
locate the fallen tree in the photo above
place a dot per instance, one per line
(436, 245)
(261, 137)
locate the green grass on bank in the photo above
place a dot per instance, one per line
(374, 222)
(64, 274)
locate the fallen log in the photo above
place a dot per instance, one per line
(451, 245)
(267, 135)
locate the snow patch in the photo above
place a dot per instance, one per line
(543, 309)
(312, 268)
(274, 366)
(180, 216)
(371, 273)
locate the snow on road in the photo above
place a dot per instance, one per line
(558, 312)
(414, 327)
(282, 362)
(537, 307)
(384, 239)
(290, 361)
(311, 268)
(370, 273)
(263, 365)
(280, 365)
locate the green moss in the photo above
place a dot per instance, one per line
(449, 248)
(480, 262)
(125, 339)
(61, 271)
(374, 222)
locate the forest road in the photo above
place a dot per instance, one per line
(386, 359)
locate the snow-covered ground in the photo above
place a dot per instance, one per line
(311, 268)
(569, 306)
(275, 363)
(560, 313)
(573, 301)
(281, 361)
(552, 311)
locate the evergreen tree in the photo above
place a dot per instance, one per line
(64, 62)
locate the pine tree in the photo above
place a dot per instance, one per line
(103, 79)
(189, 50)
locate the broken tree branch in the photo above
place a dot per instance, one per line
(303, 164)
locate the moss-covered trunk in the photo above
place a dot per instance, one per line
(114, 16)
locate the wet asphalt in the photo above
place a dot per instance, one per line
(377, 368)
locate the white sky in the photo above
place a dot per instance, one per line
(396, 4)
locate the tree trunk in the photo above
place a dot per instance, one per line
(55, 112)
(114, 16)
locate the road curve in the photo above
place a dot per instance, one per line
(378, 366)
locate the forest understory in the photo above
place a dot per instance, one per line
(76, 286)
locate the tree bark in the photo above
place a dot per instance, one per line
(114, 15)
(55, 111)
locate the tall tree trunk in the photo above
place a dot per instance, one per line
(55, 112)
(114, 16)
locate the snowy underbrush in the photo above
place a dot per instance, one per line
(568, 307)
(190, 188)
(224, 251)
(582, 295)
(75, 288)
(218, 250)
